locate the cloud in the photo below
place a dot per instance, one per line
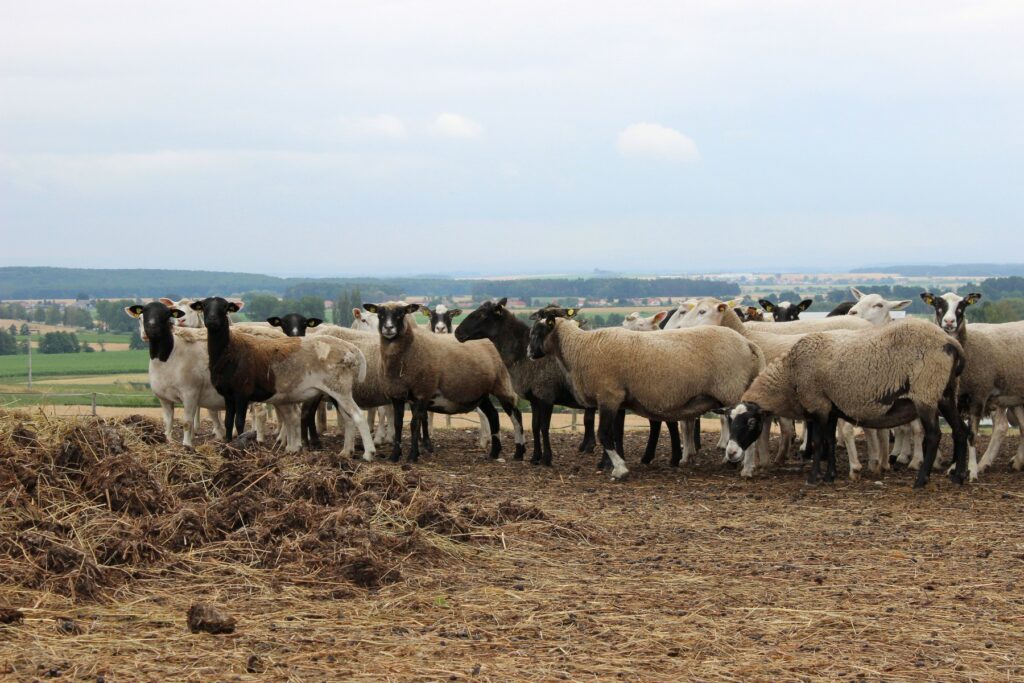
(455, 126)
(383, 125)
(655, 142)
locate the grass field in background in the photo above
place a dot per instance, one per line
(15, 368)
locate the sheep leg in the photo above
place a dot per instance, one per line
(535, 423)
(415, 428)
(696, 435)
(723, 433)
(241, 408)
(804, 439)
(787, 433)
(546, 432)
(229, 417)
(347, 406)
(1018, 460)
(620, 431)
(1000, 425)
(190, 405)
(320, 426)
(689, 447)
(484, 436)
(168, 413)
(589, 435)
(425, 431)
(310, 421)
(976, 413)
(677, 450)
(492, 419)
(385, 426)
(930, 420)
(398, 413)
(652, 442)
(846, 433)
(508, 404)
(218, 424)
(606, 433)
(819, 447)
(916, 444)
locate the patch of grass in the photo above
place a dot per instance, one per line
(15, 368)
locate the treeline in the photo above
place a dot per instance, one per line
(52, 342)
(612, 289)
(49, 314)
(962, 269)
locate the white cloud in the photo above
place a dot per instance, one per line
(655, 142)
(383, 125)
(455, 126)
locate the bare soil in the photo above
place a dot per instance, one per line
(460, 568)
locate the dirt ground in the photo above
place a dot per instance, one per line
(673, 574)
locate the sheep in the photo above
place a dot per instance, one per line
(244, 368)
(879, 378)
(994, 377)
(841, 309)
(878, 311)
(363, 320)
(671, 376)
(543, 383)
(636, 322)
(784, 311)
(711, 311)
(440, 322)
(368, 393)
(178, 369)
(438, 373)
(816, 325)
(750, 314)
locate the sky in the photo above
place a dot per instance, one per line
(456, 138)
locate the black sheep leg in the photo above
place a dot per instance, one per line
(492, 421)
(652, 442)
(589, 435)
(398, 407)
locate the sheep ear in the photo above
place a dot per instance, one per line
(659, 316)
(972, 298)
(455, 312)
(412, 308)
(535, 315)
(805, 304)
(423, 309)
(856, 293)
(313, 322)
(633, 316)
(766, 305)
(928, 298)
(371, 308)
(235, 306)
(733, 303)
(196, 305)
(177, 313)
(502, 301)
(900, 305)
(571, 312)
(722, 307)
(165, 301)
(274, 321)
(689, 305)
(357, 313)
(134, 311)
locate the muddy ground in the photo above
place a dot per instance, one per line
(465, 569)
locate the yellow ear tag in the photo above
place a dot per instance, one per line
(570, 312)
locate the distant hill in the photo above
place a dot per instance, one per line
(949, 270)
(68, 283)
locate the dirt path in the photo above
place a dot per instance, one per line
(674, 574)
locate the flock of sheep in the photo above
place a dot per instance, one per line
(857, 367)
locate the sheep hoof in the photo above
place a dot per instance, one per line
(958, 478)
(895, 464)
(587, 446)
(674, 462)
(854, 475)
(367, 456)
(396, 455)
(619, 473)
(520, 451)
(920, 482)
(535, 458)
(1017, 465)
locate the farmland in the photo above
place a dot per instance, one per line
(467, 569)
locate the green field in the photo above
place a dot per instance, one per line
(15, 368)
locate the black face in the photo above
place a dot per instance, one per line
(745, 422)
(156, 318)
(215, 311)
(294, 324)
(483, 323)
(441, 323)
(539, 333)
(788, 313)
(664, 321)
(391, 318)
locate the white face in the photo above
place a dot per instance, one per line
(365, 321)
(875, 309)
(732, 450)
(638, 323)
(191, 319)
